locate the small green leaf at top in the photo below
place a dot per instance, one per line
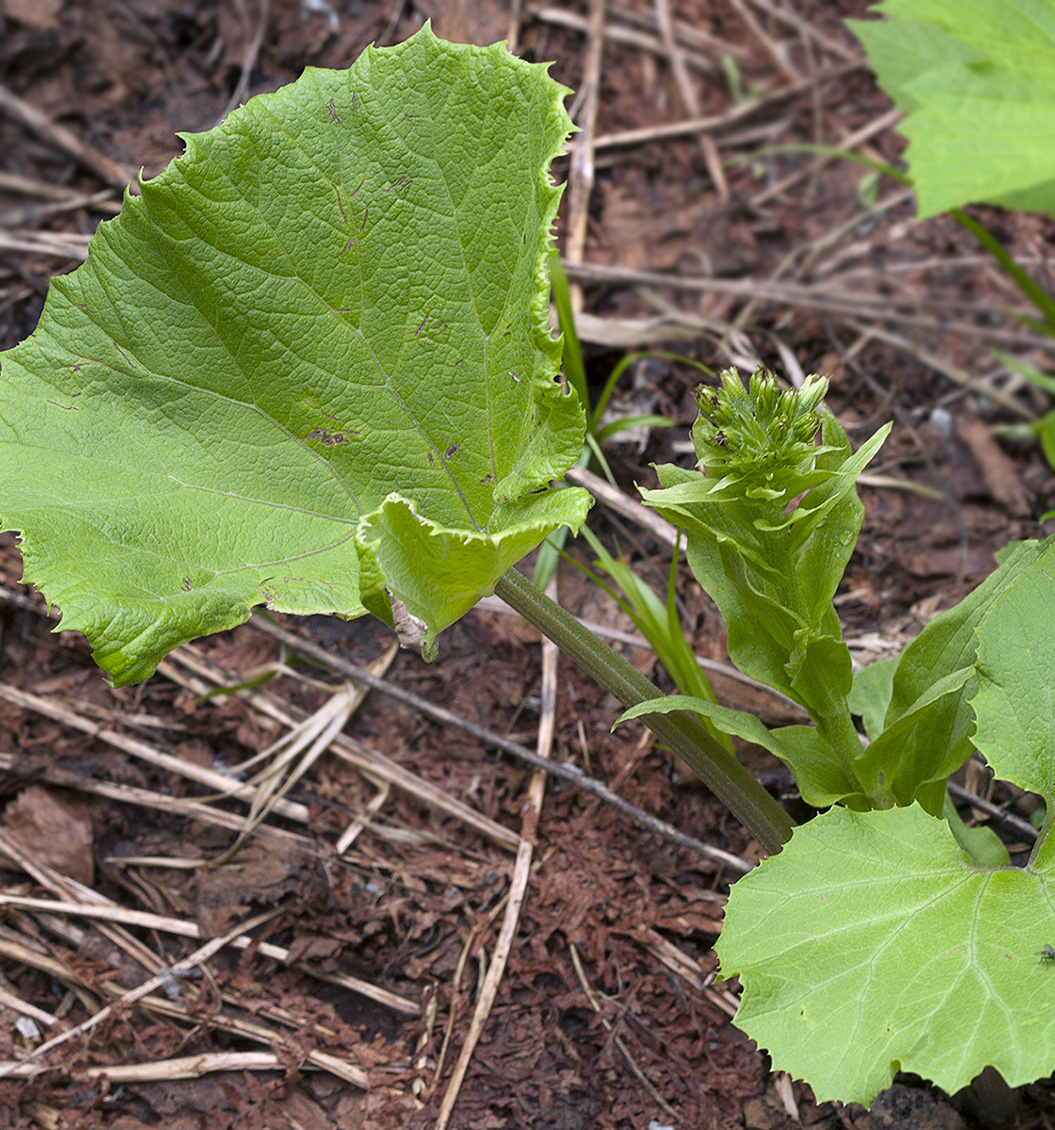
(871, 945)
(309, 363)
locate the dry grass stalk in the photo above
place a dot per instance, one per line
(164, 1070)
(199, 956)
(616, 1038)
(581, 172)
(346, 748)
(111, 912)
(521, 874)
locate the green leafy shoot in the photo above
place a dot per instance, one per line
(886, 935)
(771, 520)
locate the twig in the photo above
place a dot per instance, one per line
(111, 912)
(345, 747)
(200, 955)
(252, 50)
(36, 121)
(881, 307)
(775, 52)
(616, 500)
(617, 1039)
(521, 874)
(619, 33)
(562, 769)
(581, 172)
(720, 121)
(169, 1070)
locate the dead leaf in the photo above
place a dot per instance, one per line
(258, 874)
(53, 831)
(37, 14)
(998, 472)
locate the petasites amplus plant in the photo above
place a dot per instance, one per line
(310, 366)
(885, 936)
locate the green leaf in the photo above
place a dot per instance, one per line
(941, 734)
(978, 82)
(916, 750)
(870, 695)
(311, 360)
(870, 945)
(819, 770)
(1014, 703)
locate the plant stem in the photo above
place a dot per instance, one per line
(749, 802)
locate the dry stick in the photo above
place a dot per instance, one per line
(9, 1000)
(247, 1029)
(720, 121)
(10, 763)
(773, 49)
(804, 28)
(580, 174)
(562, 769)
(623, 505)
(689, 100)
(252, 50)
(36, 121)
(691, 34)
(250, 1030)
(65, 887)
(344, 747)
(849, 143)
(939, 365)
(219, 782)
(112, 912)
(617, 1039)
(521, 874)
(199, 956)
(68, 245)
(618, 33)
(881, 307)
(169, 1070)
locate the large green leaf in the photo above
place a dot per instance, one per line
(311, 360)
(977, 79)
(871, 944)
(1015, 702)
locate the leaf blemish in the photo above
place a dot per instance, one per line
(362, 226)
(452, 450)
(329, 439)
(487, 479)
(338, 191)
(186, 584)
(124, 355)
(424, 323)
(334, 116)
(347, 247)
(359, 186)
(515, 377)
(73, 396)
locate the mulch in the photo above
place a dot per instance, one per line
(349, 1003)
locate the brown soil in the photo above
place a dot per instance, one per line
(606, 1015)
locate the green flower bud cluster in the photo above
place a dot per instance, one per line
(760, 433)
